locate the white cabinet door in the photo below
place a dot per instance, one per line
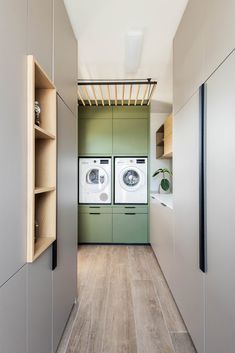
(220, 280)
(161, 236)
(188, 288)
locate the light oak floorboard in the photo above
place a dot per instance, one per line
(124, 305)
(182, 343)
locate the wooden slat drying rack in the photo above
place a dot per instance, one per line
(115, 92)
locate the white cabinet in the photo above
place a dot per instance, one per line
(220, 280)
(161, 236)
(13, 302)
(188, 288)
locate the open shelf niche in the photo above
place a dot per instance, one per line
(41, 173)
(164, 140)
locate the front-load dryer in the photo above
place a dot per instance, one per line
(131, 180)
(95, 179)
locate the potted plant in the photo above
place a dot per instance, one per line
(164, 183)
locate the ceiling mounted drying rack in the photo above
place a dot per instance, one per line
(115, 92)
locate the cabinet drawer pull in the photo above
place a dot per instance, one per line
(130, 207)
(94, 213)
(163, 204)
(130, 214)
(94, 206)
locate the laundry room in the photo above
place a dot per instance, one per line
(116, 160)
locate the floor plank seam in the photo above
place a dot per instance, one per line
(162, 311)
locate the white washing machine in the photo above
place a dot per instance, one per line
(95, 180)
(131, 180)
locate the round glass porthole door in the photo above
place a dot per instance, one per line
(92, 176)
(131, 178)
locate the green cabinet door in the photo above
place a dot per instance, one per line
(130, 136)
(131, 112)
(95, 112)
(95, 136)
(94, 227)
(130, 228)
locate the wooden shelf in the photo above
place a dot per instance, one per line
(42, 134)
(164, 139)
(41, 190)
(41, 245)
(41, 164)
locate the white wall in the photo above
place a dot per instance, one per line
(158, 115)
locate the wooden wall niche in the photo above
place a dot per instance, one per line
(164, 139)
(41, 173)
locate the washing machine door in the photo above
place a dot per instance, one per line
(95, 179)
(131, 179)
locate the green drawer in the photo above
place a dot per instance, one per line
(95, 112)
(94, 209)
(130, 228)
(94, 228)
(130, 209)
(131, 112)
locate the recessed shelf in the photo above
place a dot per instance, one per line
(41, 190)
(42, 134)
(41, 181)
(41, 245)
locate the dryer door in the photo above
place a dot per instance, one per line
(95, 179)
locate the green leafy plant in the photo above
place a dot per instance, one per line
(165, 183)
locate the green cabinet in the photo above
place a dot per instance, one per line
(95, 113)
(95, 226)
(130, 228)
(130, 136)
(95, 136)
(131, 112)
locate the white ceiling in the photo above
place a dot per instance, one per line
(101, 27)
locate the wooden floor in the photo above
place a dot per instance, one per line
(124, 305)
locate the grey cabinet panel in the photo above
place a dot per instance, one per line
(13, 314)
(189, 53)
(188, 286)
(40, 304)
(161, 237)
(219, 32)
(65, 57)
(65, 274)
(40, 32)
(13, 86)
(220, 283)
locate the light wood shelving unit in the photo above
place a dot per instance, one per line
(164, 140)
(41, 173)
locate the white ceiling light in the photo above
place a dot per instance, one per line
(134, 44)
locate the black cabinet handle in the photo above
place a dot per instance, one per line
(94, 206)
(95, 213)
(130, 214)
(202, 180)
(54, 255)
(130, 207)
(163, 204)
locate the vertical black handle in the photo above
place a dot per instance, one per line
(54, 255)
(202, 180)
